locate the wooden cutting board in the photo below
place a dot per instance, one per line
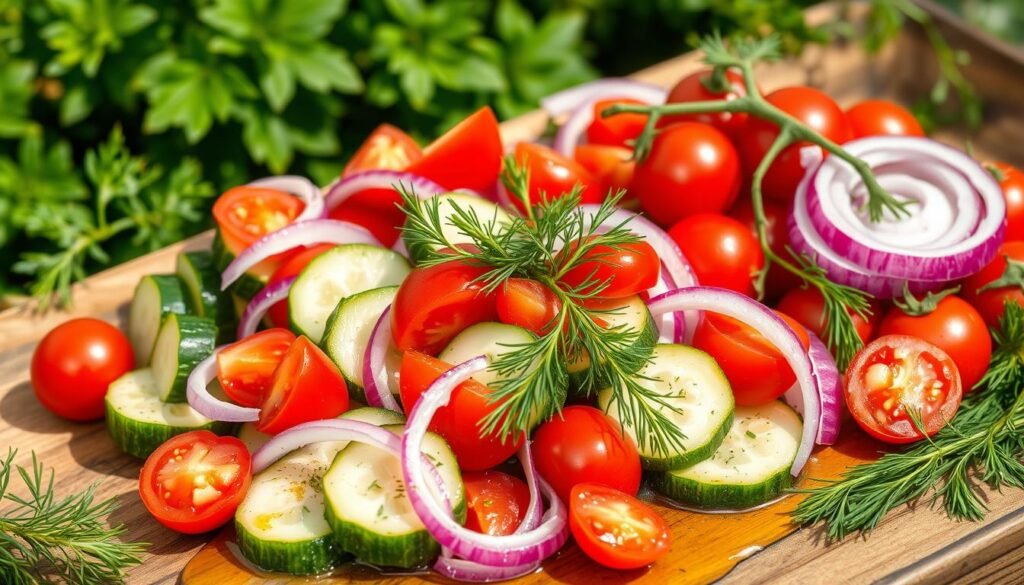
(911, 545)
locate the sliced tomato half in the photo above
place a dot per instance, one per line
(245, 368)
(617, 130)
(466, 157)
(306, 386)
(387, 148)
(615, 529)
(497, 501)
(527, 304)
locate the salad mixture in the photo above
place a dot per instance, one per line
(462, 355)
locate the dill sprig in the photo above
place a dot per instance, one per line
(44, 539)
(981, 445)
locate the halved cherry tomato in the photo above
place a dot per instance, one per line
(721, 250)
(527, 303)
(459, 421)
(807, 307)
(615, 529)
(436, 303)
(990, 302)
(497, 501)
(779, 279)
(387, 148)
(306, 386)
(1011, 180)
(617, 130)
(194, 482)
(693, 88)
(245, 368)
(882, 118)
(466, 157)
(553, 176)
(628, 269)
(756, 369)
(278, 314)
(245, 214)
(895, 373)
(611, 165)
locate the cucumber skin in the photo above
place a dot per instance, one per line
(173, 298)
(691, 457)
(247, 285)
(197, 339)
(209, 302)
(307, 557)
(139, 439)
(720, 496)
(646, 341)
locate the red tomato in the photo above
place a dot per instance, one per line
(756, 369)
(245, 214)
(194, 482)
(810, 106)
(612, 166)
(245, 368)
(990, 302)
(618, 130)
(628, 269)
(497, 502)
(779, 279)
(553, 176)
(458, 422)
(807, 307)
(377, 210)
(387, 148)
(882, 118)
(306, 386)
(1011, 179)
(466, 157)
(278, 314)
(955, 327)
(73, 365)
(692, 168)
(895, 372)
(692, 88)
(585, 445)
(527, 304)
(721, 250)
(615, 529)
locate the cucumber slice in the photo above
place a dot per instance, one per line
(632, 314)
(139, 422)
(488, 339)
(202, 284)
(348, 333)
(249, 283)
(156, 295)
(749, 468)
(336, 274)
(254, 439)
(691, 381)
(487, 212)
(183, 342)
(369, 511)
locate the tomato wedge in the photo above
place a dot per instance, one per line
(613, 166)
(615, 529)
(466, 157)
(617, 130)
(895, 373)
(627, 270)
(278, 314)
(527, 304)
(458, 421)
(245, 368)
(245, 214)
(387, 148)
(497, 501)
(306, 386)
(553, 176)
(194, 481)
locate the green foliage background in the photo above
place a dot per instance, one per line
(120, 119)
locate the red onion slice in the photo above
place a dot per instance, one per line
(339, 191)
(759, 317)
(671, 326)
(567, 100)
(826, 375)
(516, 549)
(268, 296)
(199, 398)
(300, 187)
(376, 376)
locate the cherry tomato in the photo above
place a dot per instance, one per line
(245, 368)
(1011, 179)
(245, 214)
(756, 369)
(779, 279)
(807, 307)
(306, 386)
(528, 304)
(73, 365)
(612, 166)
(553, 176)
(882, 118)
(278, 314)
(692, 168)
(387, 148)
(497, 502)
(721, 250)
(955, 327)
(810, 106)
(583, 445)
(615, 529)
(897, 372)
(466, 157)
(692, 88)
(628, 269)
(618, 130)
(436, 303)
(990, 302)
(194, 482)
(459, 421)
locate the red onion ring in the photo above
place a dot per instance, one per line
(339, 191)
(260, 304)
(830, 393)
(199, 398)
(375, 368)
(759, 317)
(300, 187)
(567, 100)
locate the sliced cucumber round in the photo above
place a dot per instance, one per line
(156, 296)
(634, 316)
(487, 212)
(348, 333)
(750, 467)
(338, 273)
(691, 381)
(488, 339)
(139, 422)
(201, 278)
(183, 342)
(369, 511)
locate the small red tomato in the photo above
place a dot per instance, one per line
(776, 215)
(693, 88)
(527, 303)
(807, 307)
(615, 529)
(553, 176)
(992, 287)
(497, 501)
(1011, 180)
(882, 118)
(617, 130)
(722, 251)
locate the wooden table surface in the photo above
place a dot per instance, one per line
(918, 545)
